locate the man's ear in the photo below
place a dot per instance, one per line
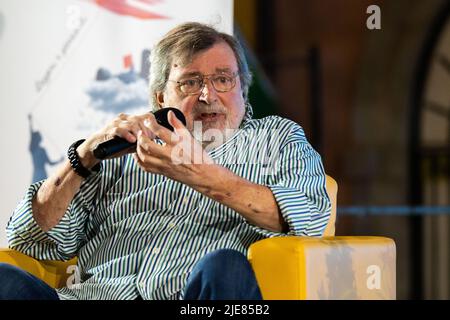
(160, 98)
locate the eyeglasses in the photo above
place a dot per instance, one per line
(194, 85)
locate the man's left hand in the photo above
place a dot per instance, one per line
(180, 158)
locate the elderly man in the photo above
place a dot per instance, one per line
(174, 218)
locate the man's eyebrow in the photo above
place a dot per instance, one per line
(191, 74)
(223, 70)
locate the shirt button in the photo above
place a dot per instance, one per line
(185, 200)
(142, 284)
(171, 225)
(156, 250)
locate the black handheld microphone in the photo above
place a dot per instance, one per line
(117, 144)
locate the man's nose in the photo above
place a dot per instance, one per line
(208, 94)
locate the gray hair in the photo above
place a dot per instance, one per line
(183, 43)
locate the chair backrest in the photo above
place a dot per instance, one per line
(332, 188)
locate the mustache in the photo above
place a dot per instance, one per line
(208, 108)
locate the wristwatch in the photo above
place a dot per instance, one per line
(75, 161)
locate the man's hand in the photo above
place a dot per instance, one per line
(180, 158)
(124, 126)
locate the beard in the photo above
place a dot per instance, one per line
(212, 124)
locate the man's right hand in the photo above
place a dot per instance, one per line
(124, 126)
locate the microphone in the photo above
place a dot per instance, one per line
(117, 144)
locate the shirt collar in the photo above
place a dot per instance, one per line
(248, 114)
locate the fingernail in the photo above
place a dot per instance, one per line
(147, 123)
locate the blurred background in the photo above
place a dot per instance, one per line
(376, 104)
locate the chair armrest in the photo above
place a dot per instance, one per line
(54, 273)
(301, 268)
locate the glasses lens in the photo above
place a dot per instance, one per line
(222, 83)
(192, 85)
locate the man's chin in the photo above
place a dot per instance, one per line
(212, 133)
(205, 125)
(217, 125)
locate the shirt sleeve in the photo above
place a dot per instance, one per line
(64, 240)
(297, 180)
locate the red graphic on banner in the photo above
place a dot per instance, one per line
(128, 61)
(135, 8)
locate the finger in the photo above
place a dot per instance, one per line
(147, 145)
(131, 126)
(141, 121)
(180, 129)
(145, 165)
(125, 122)
(147, 131)
(163, 133)
(147, 159)
(175, 122)
(124, 133)
(133, 122)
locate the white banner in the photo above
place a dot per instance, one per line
(67, 67)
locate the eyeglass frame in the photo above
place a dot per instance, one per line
(203, 82)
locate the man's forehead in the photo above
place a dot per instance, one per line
(218, 58)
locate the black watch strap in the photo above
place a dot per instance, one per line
(75, 161)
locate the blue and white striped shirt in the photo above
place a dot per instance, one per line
(138, 233)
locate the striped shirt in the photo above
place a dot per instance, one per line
(137, 233)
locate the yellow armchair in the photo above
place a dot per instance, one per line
(54, 273)
(299, 268)
(288, 267)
